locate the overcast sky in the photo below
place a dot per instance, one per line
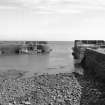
(52, 17)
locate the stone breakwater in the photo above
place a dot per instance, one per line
(93, 91)
(94, 64)
(44, 89)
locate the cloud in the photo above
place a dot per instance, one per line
(10, 3)
(38, 17)
(55, 6)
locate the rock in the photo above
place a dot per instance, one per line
(45, 88)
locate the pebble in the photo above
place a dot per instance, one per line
(93, 91)
(49, 89)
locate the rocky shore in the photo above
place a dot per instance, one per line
(44, 89)
(93, 90)
(50, 89)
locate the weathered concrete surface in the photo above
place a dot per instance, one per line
(94, 64)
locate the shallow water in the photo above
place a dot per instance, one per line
(59, 60)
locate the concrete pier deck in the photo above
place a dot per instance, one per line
(99, 50)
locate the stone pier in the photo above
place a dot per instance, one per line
(94, 63)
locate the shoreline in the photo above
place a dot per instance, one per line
(88, 90)
(51, 89)
(93, 90)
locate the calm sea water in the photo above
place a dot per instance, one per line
(59, 60)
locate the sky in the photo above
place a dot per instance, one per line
(59, 19)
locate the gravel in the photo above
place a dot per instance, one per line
(44, 89)
(93, 90)
(51, 89)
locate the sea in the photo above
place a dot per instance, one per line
(59, 60)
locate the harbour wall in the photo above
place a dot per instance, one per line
(94, 64)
